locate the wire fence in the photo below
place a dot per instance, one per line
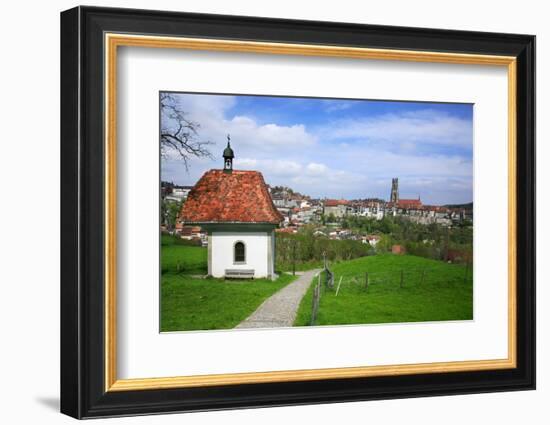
(365, 283)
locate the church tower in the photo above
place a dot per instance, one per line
(394, 196)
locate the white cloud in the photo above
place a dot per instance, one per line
(334, 106)
(321, 180)
(270, 167)
(316, 169)
(246, 131)
(211, 111)
(408, 129)
(313, 178)
(206, 105)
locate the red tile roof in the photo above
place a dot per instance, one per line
(409, 203)
(236, 197)
(335, 202)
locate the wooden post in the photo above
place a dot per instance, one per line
(313, 312)
(317, 293)
(367, 280)
(312, 322)
(338, 288)
(401, 284)
(447, 245)
(422, 278)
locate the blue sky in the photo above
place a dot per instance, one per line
(337, 148)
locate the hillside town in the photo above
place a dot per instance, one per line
(329, 217)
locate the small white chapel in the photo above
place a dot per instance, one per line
(236, 210)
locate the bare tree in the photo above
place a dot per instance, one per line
(178, 133)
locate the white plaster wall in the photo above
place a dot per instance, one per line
(256, 245)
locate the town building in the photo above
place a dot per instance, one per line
(236, 211)
(408, 204)
(337, 207)
(174, 193)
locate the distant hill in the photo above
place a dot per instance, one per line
(468, 206)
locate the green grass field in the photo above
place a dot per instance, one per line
(175, 257)
(202, 304)
(442, 294)
(190, 302)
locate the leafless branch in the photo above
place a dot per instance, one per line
(179, 134)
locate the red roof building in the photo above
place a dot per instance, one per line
(335, 202)
(234, 197)
(237, 213)
(409, 203)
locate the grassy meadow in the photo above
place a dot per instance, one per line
(431, 291)
(189, 301)
(202, 304)
(402, 288)
(178, 256)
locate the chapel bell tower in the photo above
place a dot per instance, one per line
(228, 156)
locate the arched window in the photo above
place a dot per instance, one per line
(239, 253)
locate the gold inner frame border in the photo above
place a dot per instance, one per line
(113, 40)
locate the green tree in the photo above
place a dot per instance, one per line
(169, 213)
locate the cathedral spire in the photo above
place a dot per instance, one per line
(394, 197)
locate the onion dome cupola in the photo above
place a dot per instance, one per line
(228, 156)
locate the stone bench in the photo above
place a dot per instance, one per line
(239, 273)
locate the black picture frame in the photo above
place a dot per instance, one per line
(82, 219)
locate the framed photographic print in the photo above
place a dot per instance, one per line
(261, 212)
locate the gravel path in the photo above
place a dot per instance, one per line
(280, 309)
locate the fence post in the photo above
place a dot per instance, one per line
(329, 279)
(312, 322)
(313, 309)
(315, 301)
(366, 280)
(338, 288)
(401, 284)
